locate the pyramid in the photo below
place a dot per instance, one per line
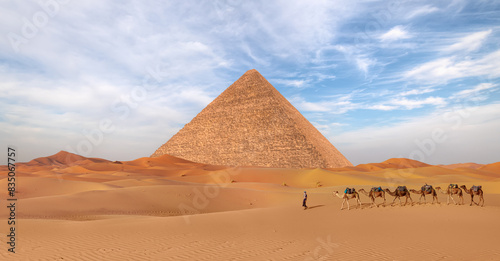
(252, 124)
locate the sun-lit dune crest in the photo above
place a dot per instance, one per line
(60, 158)
(493, 167)
(64, 158)
(469, 165)
(405, 163)
(76, 169)
(394, 163)
(370, 167)
(156, 161)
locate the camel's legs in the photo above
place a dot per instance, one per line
(401, 204)
(342, 207)
(452, 199)
(359, 202)
(472, 198)
(347, 200)
(423, 195)
(478, 201)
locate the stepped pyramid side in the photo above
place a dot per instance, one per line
(252, 124)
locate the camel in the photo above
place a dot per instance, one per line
(426, 189)
(346, 198)
(400, 191)
(473, 192)
(450, 191)
(374, 193)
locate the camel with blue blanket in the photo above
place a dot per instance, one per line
(349, 193)
(375, 192)
(425, 190)
(401, 191)
(474, 190)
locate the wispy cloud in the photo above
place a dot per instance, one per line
(475, 92)
(355, 56)
(382, 107)
(334, 106)
(423, 10)
(470, 42)
(416, 103)
(403, 103)
(396, 33)
(365, 63)
(417, 91)
(353, 101)
(449, 68)
(291, 83)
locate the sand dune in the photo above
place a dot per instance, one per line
(469, 165)
(166, 208)
(493, 168)
(60, 158)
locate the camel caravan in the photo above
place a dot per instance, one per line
(404, 192)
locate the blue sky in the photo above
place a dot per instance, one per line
(380, 79)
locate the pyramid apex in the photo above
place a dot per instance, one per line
(251, 71)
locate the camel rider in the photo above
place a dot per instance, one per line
(305, 200)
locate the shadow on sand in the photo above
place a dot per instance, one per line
(317, 206)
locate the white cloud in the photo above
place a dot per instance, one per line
(364, 63)
(323, 106)
(352, 54)
(474, 92)
(399, 103)
(396, 33)
(381, 107)
(424, 10)
(417, 91)
(444, 69)
(353, 101)
(470, 42)
(338, 105)
(292, 83)
(412, 104)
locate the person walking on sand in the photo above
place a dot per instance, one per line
(304, 201)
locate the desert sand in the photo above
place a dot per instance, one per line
(75, 208)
